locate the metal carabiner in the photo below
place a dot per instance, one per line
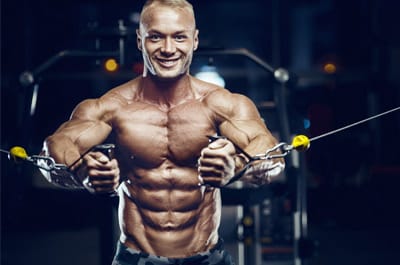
(46, 163)
(283, 147)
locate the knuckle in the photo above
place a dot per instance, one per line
(91, 172)
(202, 152)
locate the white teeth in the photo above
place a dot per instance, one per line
(168, 62)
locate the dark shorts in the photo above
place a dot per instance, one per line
(215, 256)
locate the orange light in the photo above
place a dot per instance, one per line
(111, 65)
(330, 68)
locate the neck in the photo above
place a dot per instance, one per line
(166, 92)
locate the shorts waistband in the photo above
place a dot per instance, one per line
(125, 255)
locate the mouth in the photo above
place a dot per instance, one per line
(167, 63)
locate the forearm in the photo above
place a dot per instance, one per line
(258, 172)
(73, 139)
(262, 172)
(62, 149)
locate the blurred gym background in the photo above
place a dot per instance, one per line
(337, 203)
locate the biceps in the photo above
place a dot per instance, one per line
(242, 124)
(89, 134)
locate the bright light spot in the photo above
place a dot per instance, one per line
(209, 74)
(330, 68)
(111, 65)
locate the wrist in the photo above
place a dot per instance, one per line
(240, 161)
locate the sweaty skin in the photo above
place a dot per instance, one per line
(159, 123)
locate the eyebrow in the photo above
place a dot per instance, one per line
(152, 31)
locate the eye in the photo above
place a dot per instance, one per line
(154, 37)
(180, 38)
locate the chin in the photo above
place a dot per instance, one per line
(170, 75)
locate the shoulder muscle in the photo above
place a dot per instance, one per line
(228, 106)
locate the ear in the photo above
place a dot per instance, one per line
(138, 39)
(196, 40)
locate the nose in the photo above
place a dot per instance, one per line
(168, 46)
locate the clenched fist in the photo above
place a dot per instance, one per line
(216, 165)
(99, 173)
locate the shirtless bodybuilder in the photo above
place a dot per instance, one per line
(165, 170)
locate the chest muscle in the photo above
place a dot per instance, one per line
(150, 136)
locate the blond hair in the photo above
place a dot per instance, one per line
(170, 3)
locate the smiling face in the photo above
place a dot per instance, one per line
(167, 37)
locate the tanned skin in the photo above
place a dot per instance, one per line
(160, 122)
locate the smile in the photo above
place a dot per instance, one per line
(168, 63)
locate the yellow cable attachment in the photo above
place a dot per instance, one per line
(301, 142)
(17, 153)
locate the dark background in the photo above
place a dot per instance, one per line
(352, 176)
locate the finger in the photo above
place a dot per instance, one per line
(104, 177)
(100, 157)
(212, 162)
(97, 184)
(96, 158)
(220, 143)
(102, 174)
(90, 162)
(214, 154)
(109, 166)
(212, 181)
(103, 183)
(210, 171)
(218, 152)
(104, 190)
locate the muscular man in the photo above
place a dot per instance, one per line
(165, 170)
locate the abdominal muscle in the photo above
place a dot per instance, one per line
(164, 212)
